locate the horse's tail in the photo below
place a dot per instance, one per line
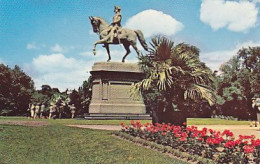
(141, 39)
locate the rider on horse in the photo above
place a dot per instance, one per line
(115, 25)
(107, 33)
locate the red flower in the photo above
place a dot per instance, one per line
(200, 139)
(184, 123)
(122, 124)
(227, 133)
(245, 142)
(205, 129)
(177, 135)
(255, 142)
(217, 140)
(229, 144)
(248, 149)
(238, 142)
(183, 139)
(209, 141)
(202, 133)
(195, 134)
(184, 134)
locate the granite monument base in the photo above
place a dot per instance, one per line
(112, 82)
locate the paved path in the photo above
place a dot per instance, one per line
(236, 129)
(99, 127)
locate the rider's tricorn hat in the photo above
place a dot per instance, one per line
(117, 8)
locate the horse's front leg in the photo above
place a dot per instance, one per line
(108, 52)
(94, 49)
(102, 41)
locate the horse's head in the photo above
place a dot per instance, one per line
(98, 23)
(95, 23)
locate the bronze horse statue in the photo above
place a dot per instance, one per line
(124, 36)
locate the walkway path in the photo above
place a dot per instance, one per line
(99, 127)
(236, 129)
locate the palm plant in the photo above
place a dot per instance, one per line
(176, 73)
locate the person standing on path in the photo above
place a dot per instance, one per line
(256, 107)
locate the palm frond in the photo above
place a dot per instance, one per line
(197, 92)
(161, 48)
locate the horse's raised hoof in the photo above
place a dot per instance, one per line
(108, 60)
(123, 60)
(94, 52)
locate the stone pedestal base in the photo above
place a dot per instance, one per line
(111, 88)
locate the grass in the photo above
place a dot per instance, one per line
(215, 121)
(57, 143)
(73, 121)
(190, 121)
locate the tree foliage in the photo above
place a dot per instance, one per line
(16, 89)
(238, 83)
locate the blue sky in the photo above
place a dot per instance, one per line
(52, 39)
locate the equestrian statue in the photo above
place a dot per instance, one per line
(115, 34)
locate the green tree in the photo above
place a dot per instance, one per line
(6, 103)
(250, 59)
(238, 82)
(176, 78)
(16, 89)
(85, 94)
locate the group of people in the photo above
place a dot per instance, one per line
(41, 111)
(256, 107)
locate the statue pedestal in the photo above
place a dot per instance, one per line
(111, 89)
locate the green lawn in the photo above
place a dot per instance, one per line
(190, 121)
(215, 121)
(57, 143)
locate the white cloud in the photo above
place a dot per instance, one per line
(216, 58)
(59, 71)
(58, 49)
(235, 16)
(63, 49)
(153, 22)
(117, 53)
(32, 46)
(1, 61)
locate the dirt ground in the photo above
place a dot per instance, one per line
(25, 123)
(236, 129)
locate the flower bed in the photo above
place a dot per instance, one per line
(221, 147)
(164, 149)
